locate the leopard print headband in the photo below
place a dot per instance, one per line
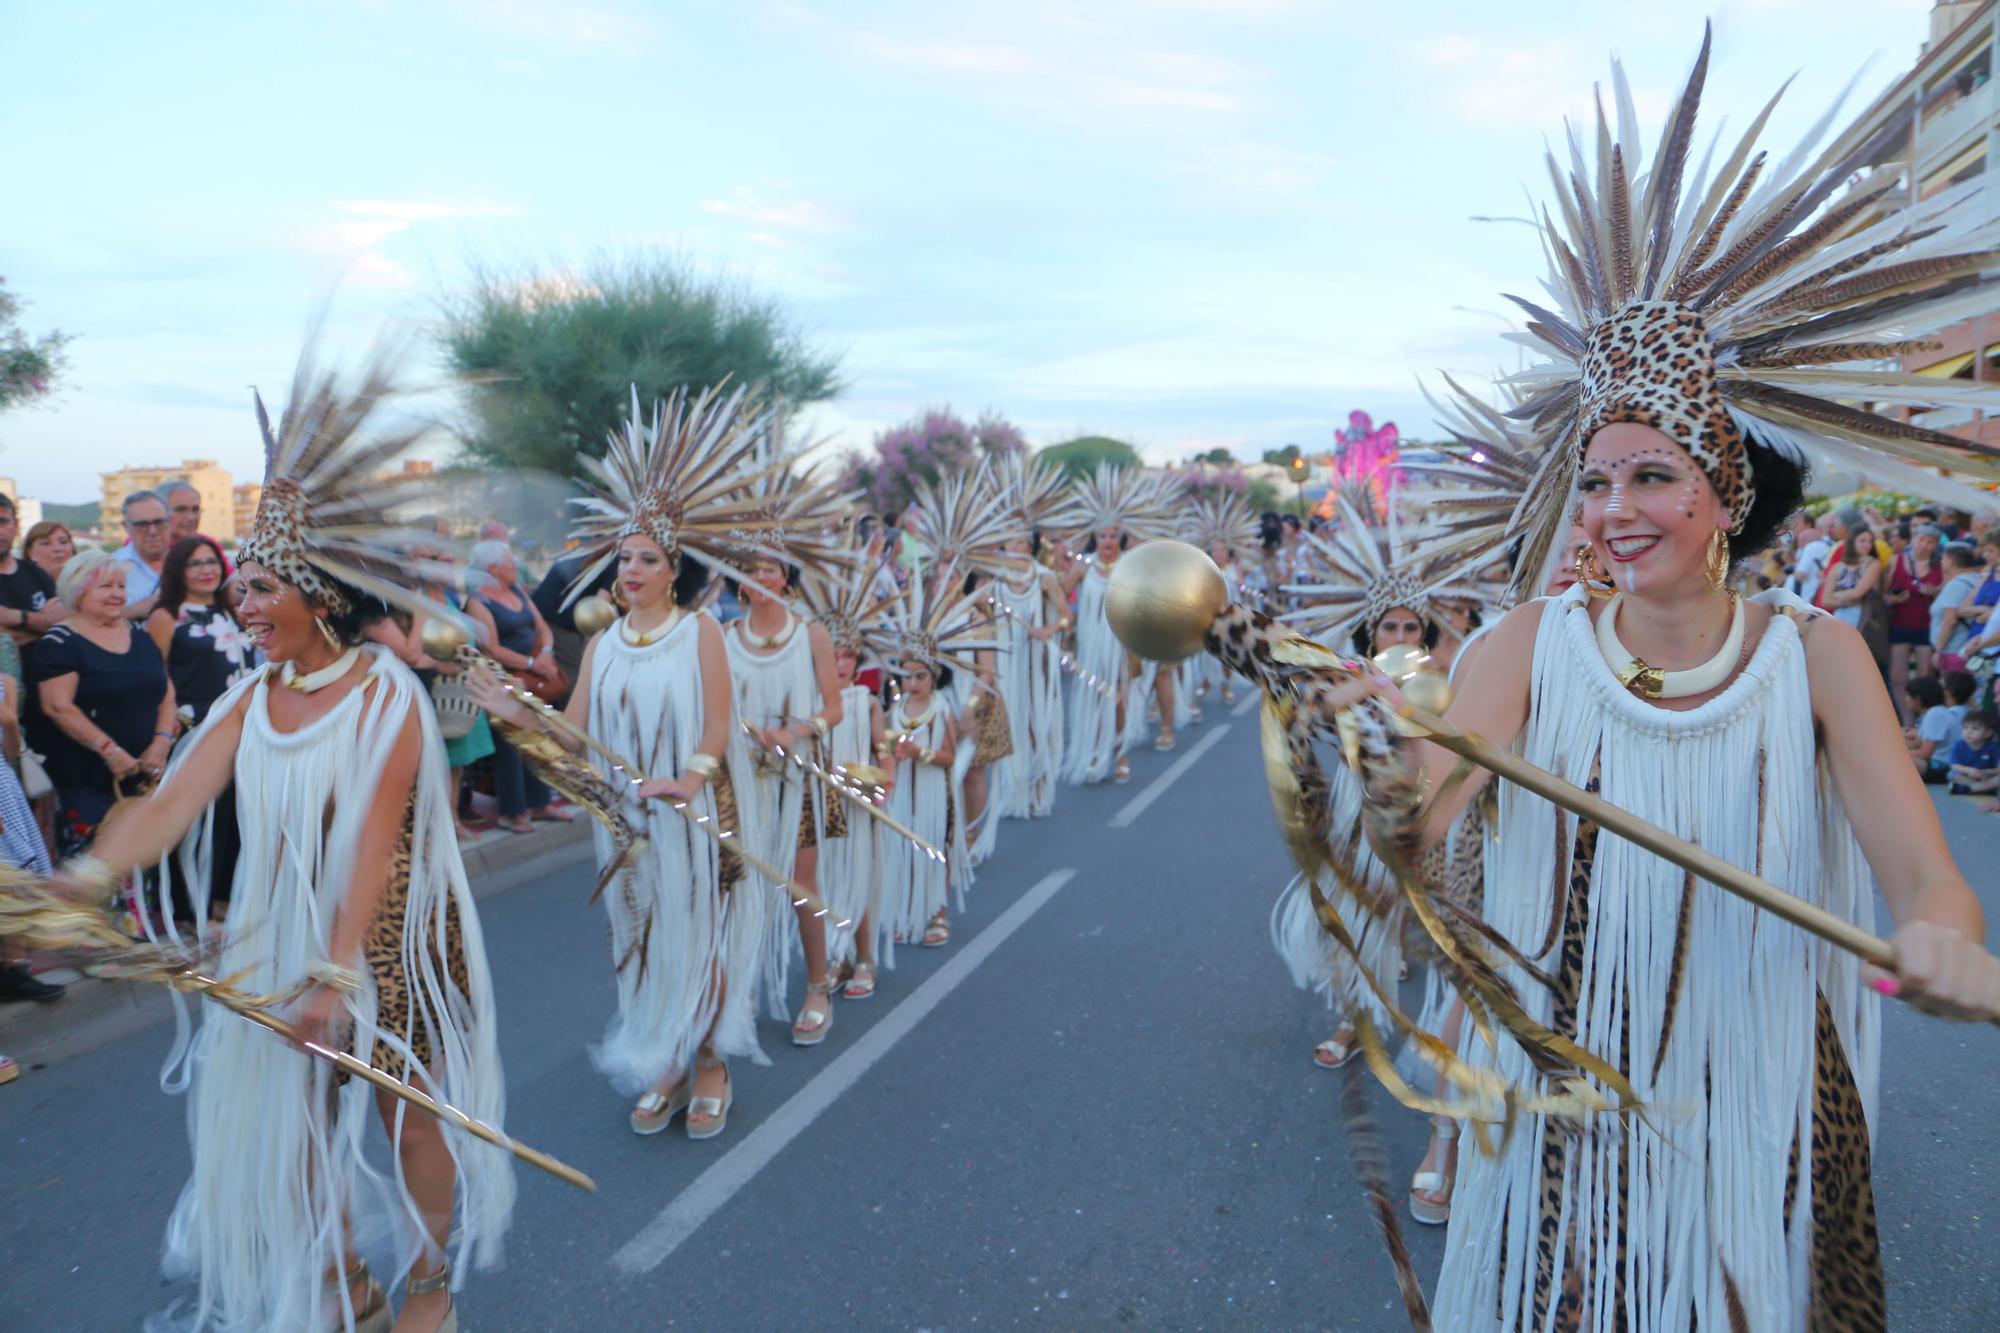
(1653, 363)
(277, 542)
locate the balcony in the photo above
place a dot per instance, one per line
(1956, 129)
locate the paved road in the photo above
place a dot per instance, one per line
(1094, 1109)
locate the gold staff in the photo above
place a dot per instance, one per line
(840, 785)
(1168, 600)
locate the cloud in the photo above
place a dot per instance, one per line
(771, 216)
(361, 227)
(1074, 83)
(594, 26)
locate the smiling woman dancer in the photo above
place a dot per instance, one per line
(1684, 374)
(687, 930)
(349, 884)
(1107, 711)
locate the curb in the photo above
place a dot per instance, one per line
(95, 1011)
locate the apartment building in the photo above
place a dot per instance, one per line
(1940, 125)
(218, 505)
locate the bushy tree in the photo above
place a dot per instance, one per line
(29, 367)
(553, 361)
(1217, 457)
(1080, 457)
(926, 448)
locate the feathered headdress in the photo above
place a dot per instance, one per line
(968, 523)
(1127, 498)
(934, 627)
(1037, 494)
(800, 521)
(1223, 518)
(1366, 573)
(324, 523)
(1717, 309)
(1468, 495)
(847, 602)
(681, 479)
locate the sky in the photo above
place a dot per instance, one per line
(1184, 223)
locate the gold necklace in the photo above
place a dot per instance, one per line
(639, 638)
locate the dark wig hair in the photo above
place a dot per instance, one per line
(690, 581)
(1781, 489)
(173, 572)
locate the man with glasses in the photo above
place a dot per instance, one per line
(184, 516)
(28, 605)
(144, 551)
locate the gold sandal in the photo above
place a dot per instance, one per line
(812, 1025)
(715, 1110)
(372, 1313)
(938, 933)
(655, 1111)
(438, 1281)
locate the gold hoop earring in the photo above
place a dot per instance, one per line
(1718, 561)
(326, 632)
(1594, 580)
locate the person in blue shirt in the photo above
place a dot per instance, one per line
(1975, 760)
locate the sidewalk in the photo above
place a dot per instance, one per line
(94, 1011)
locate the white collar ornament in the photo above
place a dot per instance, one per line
(320, 679)
(1650, 682)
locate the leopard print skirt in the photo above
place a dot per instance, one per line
(1846, 1256)
(993, 733)
(383, 951)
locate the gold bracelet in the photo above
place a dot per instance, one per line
(819, 725)
(927, 756)
(91, 872)
(331, 974)
(705, 764)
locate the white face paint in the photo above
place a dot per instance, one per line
(1649, 511)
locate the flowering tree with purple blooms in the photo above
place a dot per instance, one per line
(1204, 482)
(927, 448)
(29, 367)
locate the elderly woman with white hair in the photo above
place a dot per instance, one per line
(520, 640)
(105, 720)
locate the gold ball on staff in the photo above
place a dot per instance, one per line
(1428, 691)
(1402, 661)
(442, 638)
(1162, 599)
(593, 614)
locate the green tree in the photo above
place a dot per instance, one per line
(1216, 458)
(1080, 457)
(1283, 458)
(552, 363)
(29, 367)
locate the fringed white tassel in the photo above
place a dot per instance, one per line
(773, 689)
(1310, 955)
(1093, 740)
(646, 704)
(1703, 1176)
(1030, 672)
(280, 1159)
(913, 884)
(847, 865)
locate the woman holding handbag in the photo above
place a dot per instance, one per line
(1914, 579)
(521, 641)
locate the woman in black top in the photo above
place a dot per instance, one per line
(207, 652)
(520, 641)
(104, 719)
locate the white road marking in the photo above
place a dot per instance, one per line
(1158, 786)
(1246, 703)
(736, 1168)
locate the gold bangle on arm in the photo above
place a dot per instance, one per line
(705, 764)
